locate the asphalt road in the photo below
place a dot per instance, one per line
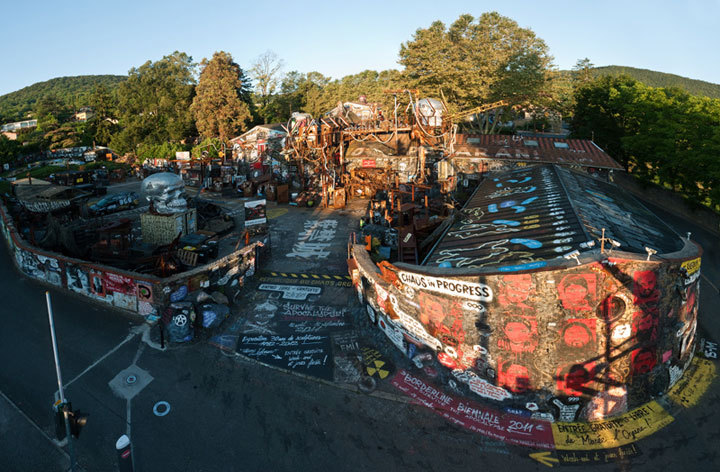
(228, 414)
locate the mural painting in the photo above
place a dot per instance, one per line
(590, 337)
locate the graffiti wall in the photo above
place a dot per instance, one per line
(139, 293)
(577, 342)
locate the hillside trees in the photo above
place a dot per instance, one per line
(221, 104)
(154, 103)
(661, 135)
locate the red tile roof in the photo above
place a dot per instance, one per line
(579, 152)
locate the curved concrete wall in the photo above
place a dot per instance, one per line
(144, 294)
(569, 342)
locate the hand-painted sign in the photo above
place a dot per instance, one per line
(475, 417)
(308, 354)
(454, 287)
(618, 431)
(694, 383)
(292, 292)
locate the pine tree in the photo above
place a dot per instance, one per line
(220, 107)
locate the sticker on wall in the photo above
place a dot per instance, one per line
(144, 292)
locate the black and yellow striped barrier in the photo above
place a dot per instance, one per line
(291, 275)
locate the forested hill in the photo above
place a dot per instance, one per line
(661, 79)
(72, 91)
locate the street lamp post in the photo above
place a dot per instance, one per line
(63, 402)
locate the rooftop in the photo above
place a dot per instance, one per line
(528, 216)
(580, 152)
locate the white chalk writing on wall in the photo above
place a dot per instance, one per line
(291, 292)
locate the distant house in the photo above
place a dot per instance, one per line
(84, 114)
(18, 125)
(261, 140)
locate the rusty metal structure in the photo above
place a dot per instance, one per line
(417, 127)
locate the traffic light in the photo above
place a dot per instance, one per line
(77, 420)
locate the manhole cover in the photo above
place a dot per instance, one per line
(130, 379)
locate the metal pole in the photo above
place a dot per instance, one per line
(59, 380)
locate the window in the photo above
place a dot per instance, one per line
(560, 145)
(531, 143)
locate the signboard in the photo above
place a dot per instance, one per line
(255, 213)
(119, 284)
(182, 155)
(453, 287)
(291, 292)
(614, 432)
(369, 163)
(309, 354)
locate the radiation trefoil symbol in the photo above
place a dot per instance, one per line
(377, 369)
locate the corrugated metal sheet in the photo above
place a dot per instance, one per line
(580, 152)
(522, 218)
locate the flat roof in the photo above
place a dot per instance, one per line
(540, 213)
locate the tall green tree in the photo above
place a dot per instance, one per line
(477, 61)
(104, 105)
(601, 113)
(582, 71)
(218, 107)
(154, 103)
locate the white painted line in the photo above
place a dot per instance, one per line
(90, 367)
(128, 418)
(711, 284)
(29, 420)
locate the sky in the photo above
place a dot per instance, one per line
(44, 39)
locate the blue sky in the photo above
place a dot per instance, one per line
(45, 39)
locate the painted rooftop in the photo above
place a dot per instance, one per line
(579, 152)
(524, 218)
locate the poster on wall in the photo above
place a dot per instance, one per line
(119, 284)
(255, 213)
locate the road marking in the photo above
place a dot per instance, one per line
(711, 284)
(90, 367)
(545, 458)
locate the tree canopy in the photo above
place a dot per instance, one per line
(154, 103)
(220, 106)
(476, 61)
(661, 135)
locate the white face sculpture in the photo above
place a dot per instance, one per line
(166, 191)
